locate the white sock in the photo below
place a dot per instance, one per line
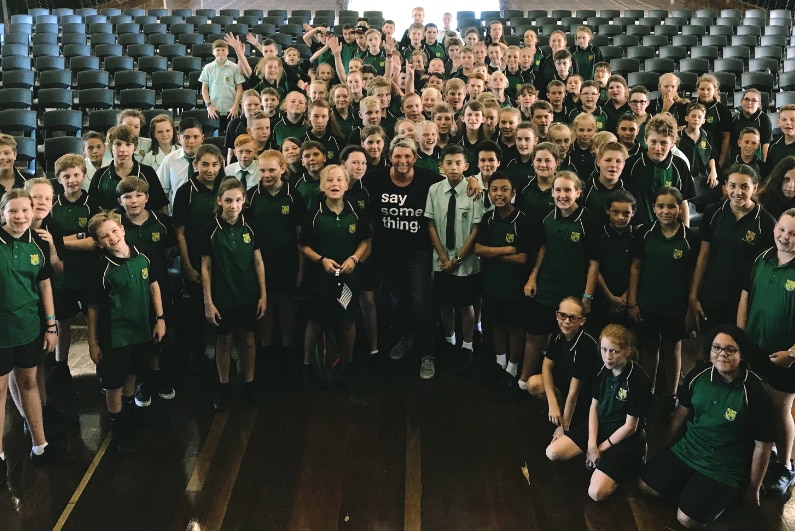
(511, 368)
(38, 450)
(450, 339)
(522, 385)
(467, 345)
(374, 352)
(2, 456)
(479, 327)
(502, 360)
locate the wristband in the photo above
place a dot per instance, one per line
(587, 296)
(52, 332)
(160, 317)
(355, 260)
(49, 318)
(320, 260)
(609, 441)
(52, 326)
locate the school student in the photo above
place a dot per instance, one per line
(659, 284)
(722, 433)
(25, 287)
(453, 219)
(177, 166)
(566, 265)
(334, 240)
(766, 314)
(610, 162)
(277, 210)
(613, 440)
(696, 144)
(122, 140)
(535, 197)
(124, 289)
(245, 169)
(153, 234)
(568, 370)
(521, 168)
(194, 204)
(233, 284)
(70, 214)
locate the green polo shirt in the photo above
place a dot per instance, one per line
(717, 121)
(615, 259)
(503, 280)
(614, 114)
(698, 152)
(571, 242)
(599, 115)
(429, 162)
(629, 393)
(24, 262)
(521, 172)
(358, 196)
(586, 59)
(433, 51)
(778, 151)
(596, 199)
(533, 201)
(576, 358)
(231, 247)
(643, 177)
(377, 61)
(154, 237)
(194, 206)
(71, 218)
(277, 217)
(284, 128)
(335, 236)
(667, 268)
(727, 417)
(771, 303)
(309, 188)
(345, 125)
(734, 245)
(332, 144)
(120, 288)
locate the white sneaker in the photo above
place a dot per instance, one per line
(401, 347)
(427, 368)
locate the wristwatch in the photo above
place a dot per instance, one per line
(160, 317)
(458, 260)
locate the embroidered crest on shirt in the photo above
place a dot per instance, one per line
(575, 236)
(352, 228)
(247, 238)
(509, 238)
(750, 236)
(790, 285)
(285, 209)
(145, 273)
(622, 394)
(82, 222)
(34, 259)
(155, 236)
(730, 414)
(678, 253)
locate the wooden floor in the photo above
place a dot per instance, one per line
(393, 453)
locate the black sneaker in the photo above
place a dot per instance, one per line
(143, 396)
(223, 397)
(162, 386)
(53, 454)
(59, 375)
(778, 480)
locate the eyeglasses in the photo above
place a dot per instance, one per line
(730, 350)
(637, 102)
(566, 317)
(751, 100)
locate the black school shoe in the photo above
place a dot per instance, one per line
(222, 398)
(778, 479)
(53, 454)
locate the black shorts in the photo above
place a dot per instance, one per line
(507, 312)
(69, 302)
(236, 319)
(455, 290)
(284, 283)
(717, 313)
(118, 363)
(23, 356)
(664, 327)
(541, 319)
(779, 378)
(701, 498)
(621, 461)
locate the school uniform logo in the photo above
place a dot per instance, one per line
(329, 154)
(464, 215)
(145, 273)
(82, 222)
(247, 238)
(352, 228)
(590, 57)
(34, 259)
(360, 203)
(750, 236)
(285, 209)
(730, 414)
(510, 237)
(678, 253)
(622, 394)
(575, 237)
(155, 236)
(710, 119)
(703, 144)
(789, 285)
